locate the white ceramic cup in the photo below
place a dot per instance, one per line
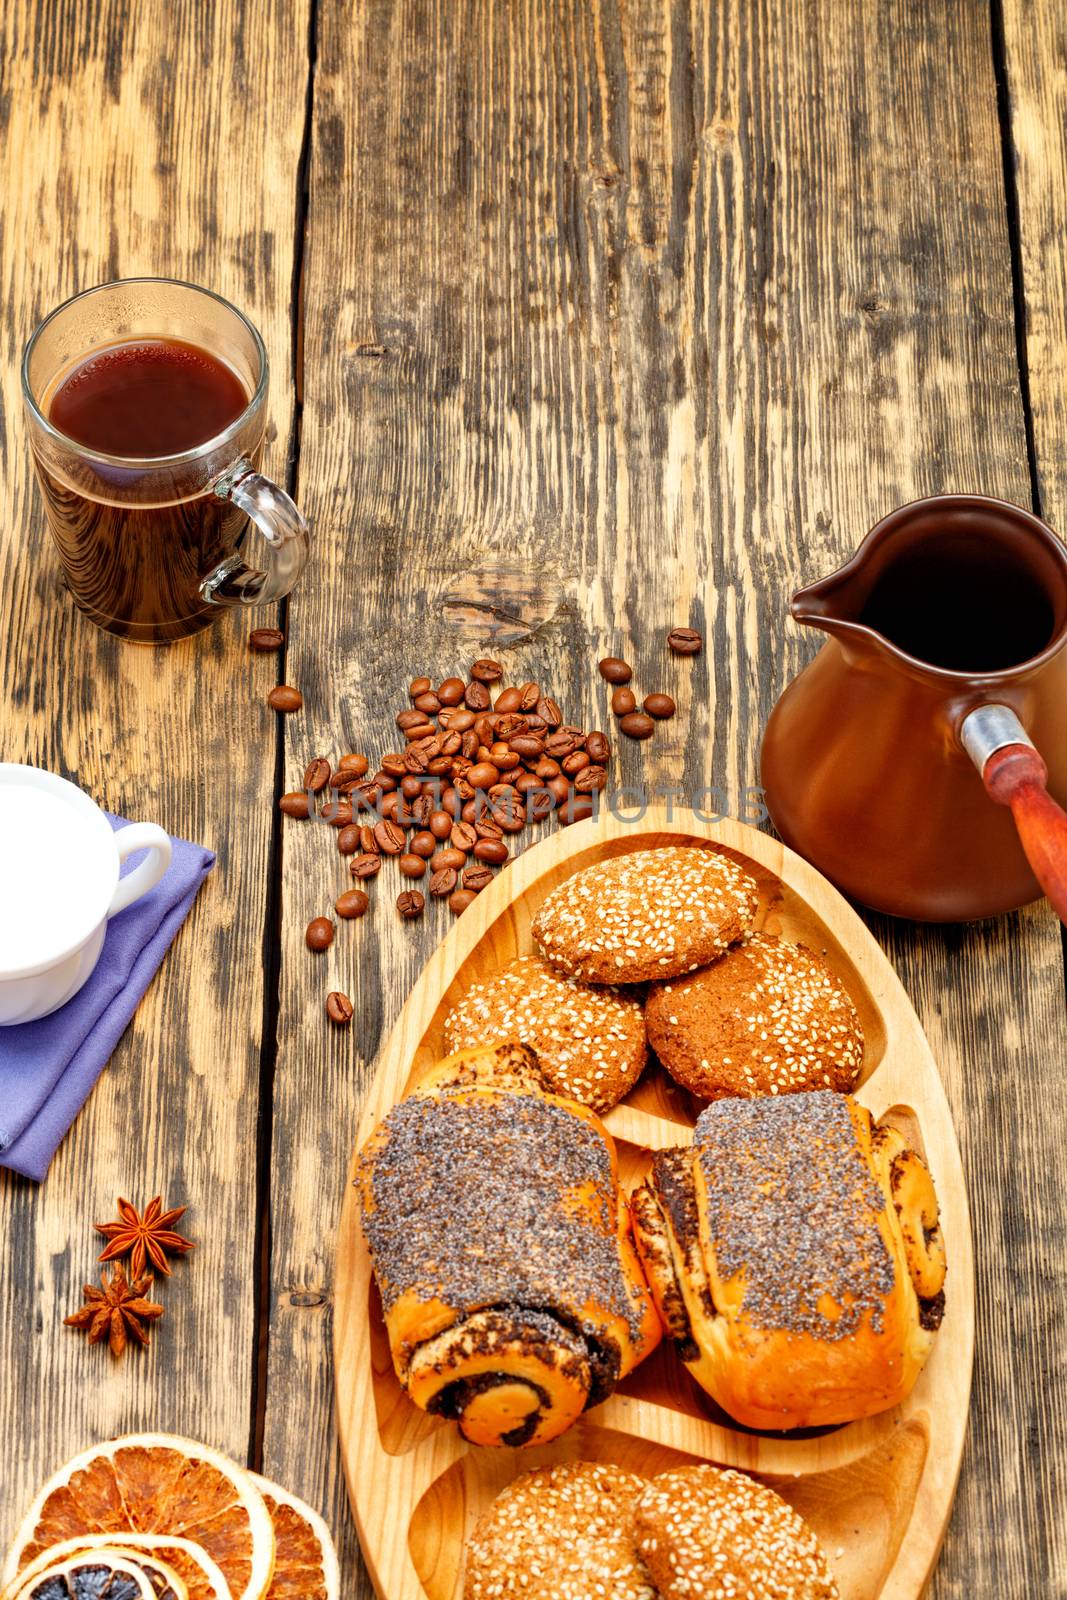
(59, 885)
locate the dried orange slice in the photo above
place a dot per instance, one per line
(100, 1575)
(305, 1561)
(197, 1574)
(155, 1483)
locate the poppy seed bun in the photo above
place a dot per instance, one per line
(768, 1017)
(560, 1533)
(589, 1040)
(649, 914)
(704, 1532)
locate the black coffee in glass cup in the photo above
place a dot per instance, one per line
(146, 406)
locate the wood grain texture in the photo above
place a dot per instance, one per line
(161, 139)
(418, 1488)
(620, 317)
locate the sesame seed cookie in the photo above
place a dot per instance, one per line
(646, 914)
(590, 1042)
(560, 1533)
(705, 1532)
(768, 1017)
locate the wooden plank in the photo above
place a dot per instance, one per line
(622, 317)
(1034, 61)
(160, 138)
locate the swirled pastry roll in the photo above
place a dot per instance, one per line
(501, 1244)
(796, 1259)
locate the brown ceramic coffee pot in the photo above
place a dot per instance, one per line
(904, 760)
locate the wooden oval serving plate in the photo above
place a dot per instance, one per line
(878, 1492)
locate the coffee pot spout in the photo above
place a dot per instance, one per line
(832, 603)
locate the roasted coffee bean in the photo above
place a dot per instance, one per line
(319, 934)
(411, 865)
(464, 790)
(348, 840)
(488, 827)
(285, 698)
(511, 818)
(450, 693)
(266, 639)
(440, 824)
(527, 746)
(422, 844)
(355, 762)
(537, 726)
(410, 903)
(559, 788)
(367, 865)
(577, 809)
(469, 746)
(549, 712)
(497, 751)
(393, 764)
(419, 731)
(367, 793)
(540, 803)
(339, 1008)
(448, 857)
(422, 810)
(390, 805)
(344, 780)
(367, 841)
(419, 686)
(529, 695)
(485, 728)
(353, 903)
(409, 719)
(525, 781)
(598, 746)
(317, 774)
(460, 899)
(463, 836)
(508, 762)
(404, 815)
(384, 782)
(443, 882)
(427, 702)
(295, 804)
(574, 763)
(477, 696)
(452, 802)
(509, 700)
(482, 775)
(591, 779)
(439, 766)
(508, 726)
(685, 641)
(338, 813)
(494, 850)
(623, 701)
(614, 670)
(547, 768)
(471, 810)
(660, 706)
(410, 786)
(390, 837)
(457, 720)
(482, 755)
(636, 725)
(559, 744)
(451, 744)
(415, 760)
(477, 878)
(485, 670)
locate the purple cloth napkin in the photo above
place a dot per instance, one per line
(47, 1068)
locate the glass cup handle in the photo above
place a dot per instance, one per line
(232, 582)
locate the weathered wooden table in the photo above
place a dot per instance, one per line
(586, 319)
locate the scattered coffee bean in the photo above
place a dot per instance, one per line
(440, 824)
(591, 779)
(574, 763)
(266, 639)
(411, 865)
(477, 696)
(636, 725)
(449, 857)
(410, 904)
(419, 686)
(319, 934)
(460, 899)
(685, 641)
(442, 882)
(422, 844)
(487, 671)
(285, 698)
(428, 703)
(367, 865)
(389, 837)
(477, 878)
(410, 786)
(529, 695)
(338, 813)
(353, 903)
(463, 836)
(348, 839)
(614, 670)
(623, 701)
(577, 808)
(339, 1008)
(450, 693)
(367, 841)
(409, 719)
(598, 746)
(549, 713)
(317, 774)
(482, 775)
(493, 850)
(541, 805)
(295, 804)
(354, 763)
(507, 701)
(660, 706)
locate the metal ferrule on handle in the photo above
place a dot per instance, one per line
(1015, 776)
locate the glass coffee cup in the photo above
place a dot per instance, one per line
(153, 529)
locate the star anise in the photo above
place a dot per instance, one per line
(117, 1311)
(150, 1238)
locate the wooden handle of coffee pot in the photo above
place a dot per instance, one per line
(1016, 776)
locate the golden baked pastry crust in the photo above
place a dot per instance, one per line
(767, 1017)
(589, 1039)
(560, 1533)
(704, 1532)
(649, 914)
